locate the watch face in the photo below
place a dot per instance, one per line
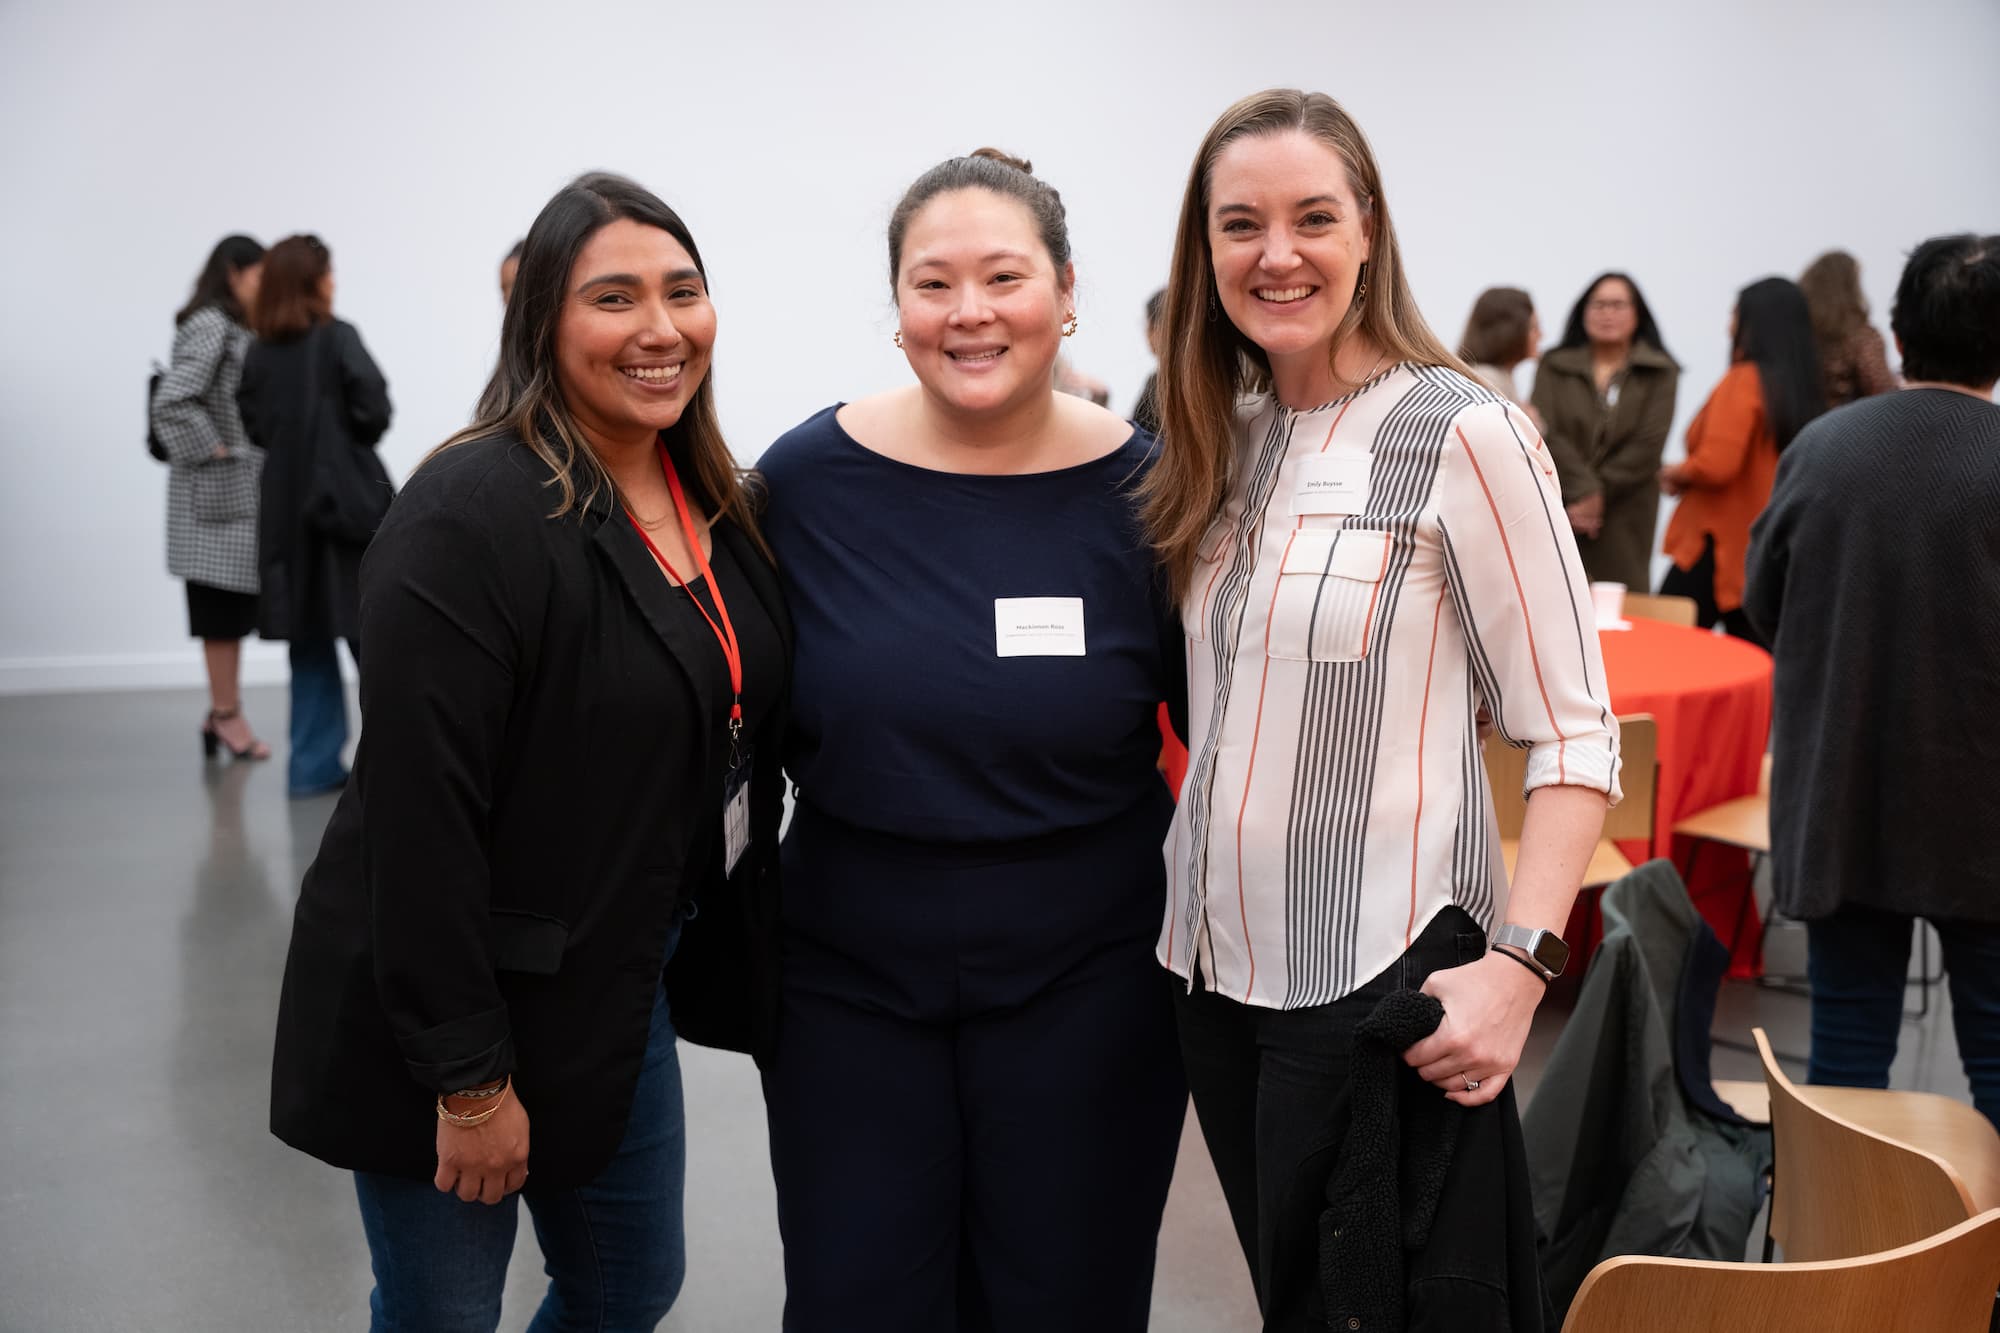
(1551, 952)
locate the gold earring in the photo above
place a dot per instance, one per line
(897, 337)
(1070, 325)
(1361, 288)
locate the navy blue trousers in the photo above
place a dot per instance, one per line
(976, 1099)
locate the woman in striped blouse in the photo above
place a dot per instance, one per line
(1368, 546)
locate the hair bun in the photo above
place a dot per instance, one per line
(1020, 164)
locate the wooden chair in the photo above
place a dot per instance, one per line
(1840, 1190)
(1631, 820)
(1668, 610)
(1942, 1284)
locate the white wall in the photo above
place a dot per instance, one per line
(1701, 145)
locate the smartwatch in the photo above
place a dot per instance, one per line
(1544, 948)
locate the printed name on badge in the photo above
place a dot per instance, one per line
(1332, 484)
(1038, 626)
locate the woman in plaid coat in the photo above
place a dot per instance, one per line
(212, 481)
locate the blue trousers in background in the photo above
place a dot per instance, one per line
(319, 718)
(1857, 961)
(614, 1249)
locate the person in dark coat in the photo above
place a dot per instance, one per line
(574, 689)
(1875, 573)
(1606, 399)
(309, 389)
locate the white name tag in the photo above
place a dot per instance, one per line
(1038, 626)
(735, 817)
(1332, 484)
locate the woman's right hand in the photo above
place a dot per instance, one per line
(483, 1163)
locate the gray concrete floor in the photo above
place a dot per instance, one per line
(145, 903)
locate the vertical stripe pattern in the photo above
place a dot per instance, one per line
(1336, 800)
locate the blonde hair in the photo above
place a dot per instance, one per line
(1209, 364)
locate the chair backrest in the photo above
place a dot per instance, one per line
(1639, 742)
(1839, 1190)
(1672, 610)
(1944, 1284)
(1632, 818)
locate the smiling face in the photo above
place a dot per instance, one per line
(1611, 313)
(980, 302)
(1286, 239)
(634, 336)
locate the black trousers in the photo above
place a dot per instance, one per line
(976, 1099)
(1265, 1081)
(1699, 584)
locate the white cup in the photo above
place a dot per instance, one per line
(1607, 602)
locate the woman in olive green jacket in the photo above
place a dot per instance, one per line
(1606, 397)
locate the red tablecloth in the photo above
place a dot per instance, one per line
(1711, 698)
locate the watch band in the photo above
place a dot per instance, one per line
(1534, 943)
(1537, 972)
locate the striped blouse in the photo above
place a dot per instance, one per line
(1382, 566)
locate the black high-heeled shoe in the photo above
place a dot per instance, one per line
(212, 743)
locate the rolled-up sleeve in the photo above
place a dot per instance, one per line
(443, 629)
(1518, 587)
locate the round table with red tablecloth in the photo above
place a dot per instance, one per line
(1711, 698)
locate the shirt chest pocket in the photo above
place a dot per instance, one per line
(1328, 589)
(1198, 607)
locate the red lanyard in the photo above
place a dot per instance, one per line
(725, 633)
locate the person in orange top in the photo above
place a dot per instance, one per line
(1772, 388)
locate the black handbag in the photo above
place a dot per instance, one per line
(153, 444)
(348, 490)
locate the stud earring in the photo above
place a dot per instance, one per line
(897, 337)
(1070, 325)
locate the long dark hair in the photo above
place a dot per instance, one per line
(1647, 331)
(1774, 331)
(524, 399)
(231, 255)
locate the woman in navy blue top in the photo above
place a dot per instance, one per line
(976, 1099)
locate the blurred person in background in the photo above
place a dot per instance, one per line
(1606, 399)
(510, 267)
(1769, 393)
(213, 478)
(312, 397)
(1146, 412)
(1875, 574)
(1852, 360)
(1502, 332)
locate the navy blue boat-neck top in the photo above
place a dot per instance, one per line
(904, 585)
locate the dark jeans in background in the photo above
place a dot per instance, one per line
(1265, 1080)
(614, 1249)
(319, 717)
(1858, 961)
(1699, 584)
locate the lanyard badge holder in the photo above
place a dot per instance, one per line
(736, 781)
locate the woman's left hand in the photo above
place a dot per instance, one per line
(1488, 1006)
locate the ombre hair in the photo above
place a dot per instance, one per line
(524, 400)
(1209, 363)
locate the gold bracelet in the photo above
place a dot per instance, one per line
(470, 1119)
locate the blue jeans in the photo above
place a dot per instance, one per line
(1857, 960)
(614, 1249)
(319, 718)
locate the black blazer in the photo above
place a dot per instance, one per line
(533, 800)
(318, 391)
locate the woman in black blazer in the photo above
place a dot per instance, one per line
(553, 797)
